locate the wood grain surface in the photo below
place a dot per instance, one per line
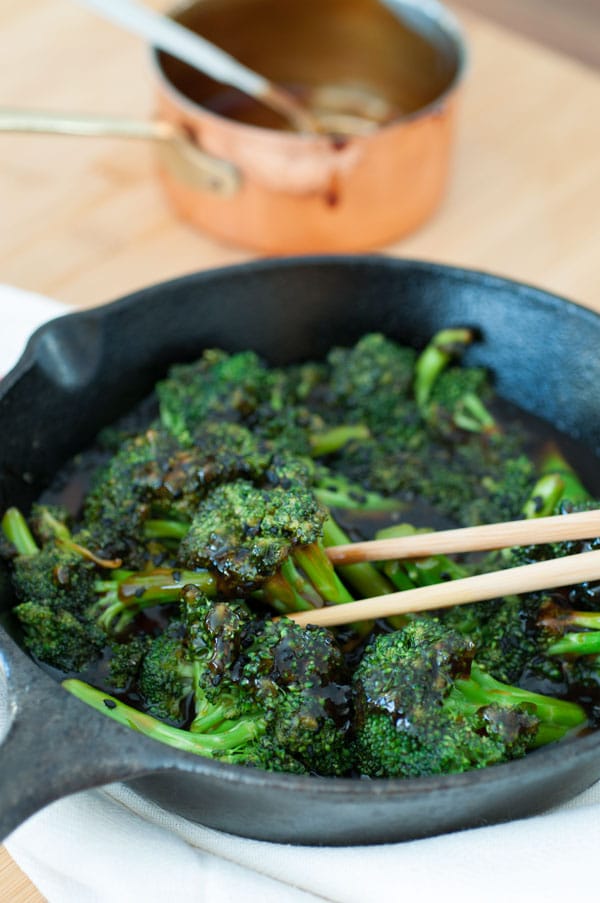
(571, 26)
(83, 220)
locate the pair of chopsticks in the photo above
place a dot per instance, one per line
(528, 578)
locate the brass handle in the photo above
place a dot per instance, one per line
(187, 162)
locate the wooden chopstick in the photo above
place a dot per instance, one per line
(527, 578)
(560, 527)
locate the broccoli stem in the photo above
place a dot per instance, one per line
(553, 463)
(16, 530)
(584, 642)
(558, 481)
(216, 744)
(576, 644)
(472, 415)
(209, 715)
(331, 440)
(545, 496)
(335, 491)
(557, 716)
(363, 577)
(122, 600)
(165, 529)
(316, 565)
(164, 585)
(288, 591)
(60, 530)
(420, 571)
(444, 346)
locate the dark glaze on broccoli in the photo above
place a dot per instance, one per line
(217, 514)
(286, 687)
(423, 707)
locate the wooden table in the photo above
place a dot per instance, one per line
(84, 221)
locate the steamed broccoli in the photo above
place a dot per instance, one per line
(299, 679)
(371, 382)
(166, 675)
(54, 586)
(452, 399)
(477, 481)
(457, 403)
(245, 533)
(220, 510)
(54, 575)
(123, 595)
(424, 707)
(126, 659)
(57, 637)
(229, 387)
(269, 694)
(152, 476)
(121, 496)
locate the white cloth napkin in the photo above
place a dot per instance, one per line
(112, 846)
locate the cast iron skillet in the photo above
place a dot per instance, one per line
(81, 371)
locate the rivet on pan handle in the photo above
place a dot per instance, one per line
(187, 162)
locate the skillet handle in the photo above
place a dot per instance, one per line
(56, 745)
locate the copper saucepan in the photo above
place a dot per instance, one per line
(304, 193)
(234, 169)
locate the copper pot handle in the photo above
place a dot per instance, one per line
(191, 165)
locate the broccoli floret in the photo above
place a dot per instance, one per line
(445, 346)
(266, 694)
(152, 477)
(126, 659)
(218, 385)
(424, 707)
(166, 676)
(505, 637)
(53, 576)
(391, 464)
(257, 537)
(57, 637)
(55, 586)
(56, 578)
(298, 677)
(295, 678)
(122, 493)
(452, 400)
(457, 403)
(245, 533)
(214, 630)
(370, 382)
(477, 481)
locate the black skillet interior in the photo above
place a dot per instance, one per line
(81, 372)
